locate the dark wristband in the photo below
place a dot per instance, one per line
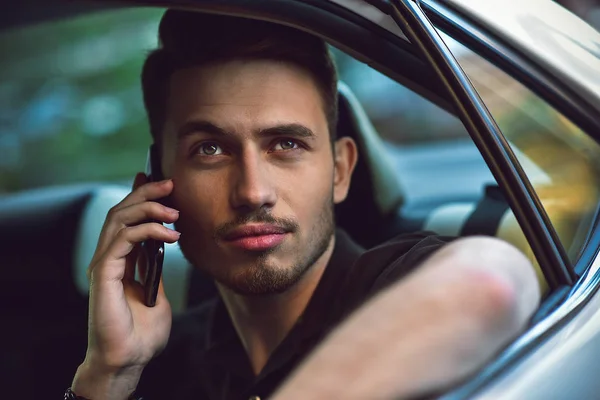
(70, 395)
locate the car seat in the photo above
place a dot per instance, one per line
(44, 315)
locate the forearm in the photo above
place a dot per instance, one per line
(424, 333)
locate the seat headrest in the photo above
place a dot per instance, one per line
(37, 235)
(375, 193)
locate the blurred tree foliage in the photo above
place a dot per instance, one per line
(70, 99)
(71, 106)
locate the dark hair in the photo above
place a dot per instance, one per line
(189, 39)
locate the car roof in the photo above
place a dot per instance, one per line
(556, 41)
(563, 44)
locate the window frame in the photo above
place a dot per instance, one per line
(565, 302)
(397, 59)
(560, 96)
(493, 146)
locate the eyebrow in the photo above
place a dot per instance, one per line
(291, 130)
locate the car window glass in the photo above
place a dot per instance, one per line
(71, 110)
(70, 99)
(561, 161)
(429, 146)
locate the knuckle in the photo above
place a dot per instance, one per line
(153, 207)
(145, 190)
(158, 229)
(113, 213)
(123, 233)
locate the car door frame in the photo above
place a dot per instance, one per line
(395, 57)
(413, 17)
(399, 60)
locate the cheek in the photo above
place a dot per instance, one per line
(199, 199)
(307, 190)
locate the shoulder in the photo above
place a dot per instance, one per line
(389, 262)
(401, 255)
(191, 324)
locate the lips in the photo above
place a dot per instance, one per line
(256, 237)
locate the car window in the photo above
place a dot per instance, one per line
(71, 111)
(70, 99)
(429, 146)
(561, 161)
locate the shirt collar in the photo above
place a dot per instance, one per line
(224, 346)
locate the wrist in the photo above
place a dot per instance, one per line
(95, 382)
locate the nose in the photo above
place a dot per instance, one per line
(253, 187)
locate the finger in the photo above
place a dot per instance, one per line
(132, 260)
(142, 265)
(134, 213)
(138, 213)
(146, 191)
(111, 266)
(142, 192)
(132, 235)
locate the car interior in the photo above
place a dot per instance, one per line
(61, 225)
(48, 236)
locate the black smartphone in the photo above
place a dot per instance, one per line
(153, 250)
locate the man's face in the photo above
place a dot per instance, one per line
(248, 148)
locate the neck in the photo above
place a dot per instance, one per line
(262, 322)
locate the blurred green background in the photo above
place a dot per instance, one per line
(71, 107)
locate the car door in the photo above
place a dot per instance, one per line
(366, 31)
(538, 106)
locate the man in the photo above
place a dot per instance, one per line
(244, 115)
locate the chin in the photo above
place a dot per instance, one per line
(262, 273)
(262, 278)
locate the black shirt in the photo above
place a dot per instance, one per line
(205, 359)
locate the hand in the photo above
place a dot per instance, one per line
(123, 333)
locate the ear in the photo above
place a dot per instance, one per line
(345, 158)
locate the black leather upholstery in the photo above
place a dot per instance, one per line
(44, 318)
(370, 212)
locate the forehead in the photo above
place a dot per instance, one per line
(245, 95)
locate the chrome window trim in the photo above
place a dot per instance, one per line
(534, 77)
(581, 110)
(420, 32)
(580, 295)
(488, 137)
(534, 338)
(562, 43)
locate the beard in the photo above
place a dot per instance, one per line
(262, 276)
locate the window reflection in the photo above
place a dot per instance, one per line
(560, 160)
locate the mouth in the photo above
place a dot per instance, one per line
(258, 237)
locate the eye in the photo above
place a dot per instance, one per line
(285, 144)
(210, 149)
